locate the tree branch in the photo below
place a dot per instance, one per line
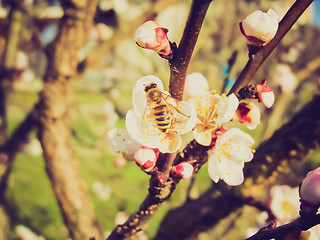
(54, 131)
(301, 224)
(181, 56)
(158, 193)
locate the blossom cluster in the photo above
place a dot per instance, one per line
(157, 121)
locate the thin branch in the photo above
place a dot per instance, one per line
(181, 58)
(257, 59)
(13, 145)
(301, 224)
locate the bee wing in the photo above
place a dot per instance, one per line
(175, 106)
(148, 117)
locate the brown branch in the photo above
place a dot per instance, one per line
(181, 58)
(54, 130)
(301, 224)
(257, 59)
(12, 146)
(158, 193)
(8, 63)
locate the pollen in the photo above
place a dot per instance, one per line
(119, 134)
(223, 95)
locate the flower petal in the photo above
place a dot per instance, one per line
(120, 142)
(231, 172)
(202, 134)
(213, 169)
(170, 143)
(139, 95)
(195, 85)
(137, 131)
(227, 108)
(187, 120)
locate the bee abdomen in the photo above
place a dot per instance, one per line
(162, 117)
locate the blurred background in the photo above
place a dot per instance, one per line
(109, 66)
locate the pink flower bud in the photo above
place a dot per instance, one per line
(249, 114)
(182, 170)
(146, 158)
(160, 177)
(259, 27)
(151, 36)
(310, 188)
(265, 94)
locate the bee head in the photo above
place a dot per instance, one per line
(150, 86)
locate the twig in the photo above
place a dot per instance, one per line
(301, 224)
(256, 60)
(12, 146)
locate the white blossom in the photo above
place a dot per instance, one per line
(120, 142)
(212, 111)
(230, 152)
(284, 203)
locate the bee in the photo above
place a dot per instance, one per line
(159, 108)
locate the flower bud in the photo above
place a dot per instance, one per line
(182, 170)
(259, 27)
(151, 36)
(195, 85)
(310, 188)
(249, 114)
(265, 94)
(146, 158)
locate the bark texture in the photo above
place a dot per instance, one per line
(54, 131)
